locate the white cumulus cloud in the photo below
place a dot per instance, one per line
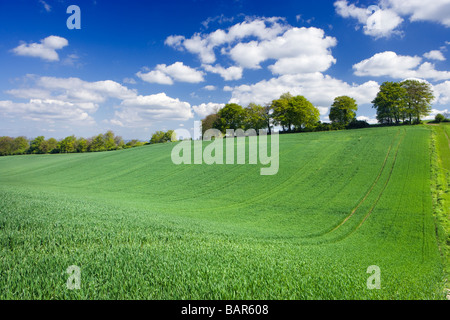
(383, 18)
(434, 55)
(390, 64)
(206, 109)
(318, 88)
(228, 74)
(164, 74)
(45, 50)
(204, 45)
(141, 111)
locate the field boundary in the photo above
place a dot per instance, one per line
(439, 188)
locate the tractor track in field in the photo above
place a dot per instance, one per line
(287, 182)
(364, 198)
(370, 189)
(222, 188)
(385, 184)
(359, 204)
(381, 192)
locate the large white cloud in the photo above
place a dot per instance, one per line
(442, 93)
(204, 44)
(422, 10)
(376, 22)
(390, 64)
(62, 100)
(318, 88)
(255, 41)
(45, 50)
(297, 50)
(74, 100)
(383, 18)
(49, 111)
(177, 71)
(142, 111)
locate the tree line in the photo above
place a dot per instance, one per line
(403, 102)
(291, 113)
(39, 145)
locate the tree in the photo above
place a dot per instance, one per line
(20, 145)
(419, 96)
(439, 118)
(208, 122)
(297, 112)
(255, 117)
(231, 116)
(108, 139)
(133, 143)
(343, 111)
(48, 146)
(390, 102)
(169, 135)
(6, 146)
(161, 137)
(119, 142)
(67, 145)
(35, 145)
(81, 145)
(97, 143)
(281, 111)
(52, 145)
(157, 137)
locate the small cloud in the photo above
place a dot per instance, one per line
(323, 110)
(194, 95)
(206, 109)
(369, 120)
(71, 60)
(129, 81)
(227, 88)
(434, 55)
(47, 7)
(209, 88)
(228, 74)
(164, 74)
(219, 19)
(45, 50)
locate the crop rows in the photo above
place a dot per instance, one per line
(140, 227)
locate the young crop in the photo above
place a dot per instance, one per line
(140, 227)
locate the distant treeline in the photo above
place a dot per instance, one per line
(39, 145)
(396, 103)
(291, 113)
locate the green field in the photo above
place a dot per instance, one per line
(140, 227)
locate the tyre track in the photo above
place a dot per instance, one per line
(344, 236)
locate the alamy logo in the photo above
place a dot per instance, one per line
(74, 21)
(74, 280)
(190, 151)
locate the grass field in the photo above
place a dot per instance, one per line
(140, 227)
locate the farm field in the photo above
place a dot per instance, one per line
(141, 227)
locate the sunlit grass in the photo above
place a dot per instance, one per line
(140, 227)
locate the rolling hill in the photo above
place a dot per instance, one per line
(140, 227)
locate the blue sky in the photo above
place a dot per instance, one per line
(139, 66)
